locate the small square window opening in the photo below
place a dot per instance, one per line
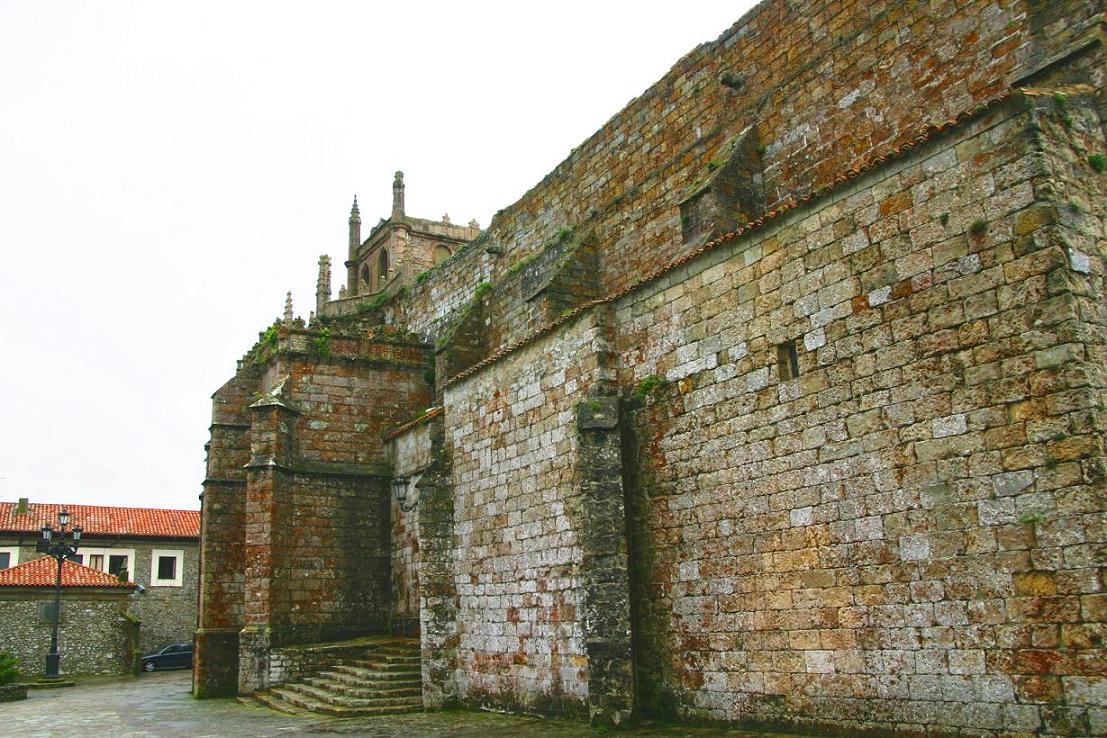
(167, 567)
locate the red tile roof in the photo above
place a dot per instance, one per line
(41, 572)
(139, 522)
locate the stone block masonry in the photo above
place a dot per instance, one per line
(824, 85)
(903, 536)
(517, 554)
(296, 525)
(780, 401)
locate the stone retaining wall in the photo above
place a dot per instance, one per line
(95, 635)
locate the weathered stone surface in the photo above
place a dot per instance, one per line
(96, 634)
(841, 471)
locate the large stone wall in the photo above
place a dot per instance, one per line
(823, 86)
(531, 610)
(739, 429)
(95, 635)
(297, 492)
(904, 536)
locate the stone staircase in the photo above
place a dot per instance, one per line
(386, 681)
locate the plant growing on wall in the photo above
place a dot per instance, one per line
(267, 343)
(482, 289)
(649, 385)
(321, 343)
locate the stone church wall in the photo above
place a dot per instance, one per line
(840, 468)
(825, 85)
(904, 536)
(297, 496)
(520, 554)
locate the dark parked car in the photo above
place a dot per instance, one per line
(173, 656)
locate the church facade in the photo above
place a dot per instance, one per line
(780, 401)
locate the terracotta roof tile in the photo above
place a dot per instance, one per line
(104, 521)
(41, 572)
(430, 413)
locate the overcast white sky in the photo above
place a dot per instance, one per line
(169, 170)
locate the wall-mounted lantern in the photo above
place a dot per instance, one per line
(399, 490)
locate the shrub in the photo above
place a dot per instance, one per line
(9, 669)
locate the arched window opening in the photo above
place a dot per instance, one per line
(366, 275)
(382, 268)
(441, 253)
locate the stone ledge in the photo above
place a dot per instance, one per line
(50, 683)
(13, 692)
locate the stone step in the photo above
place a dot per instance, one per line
(391, 658)
(388, 680)
(378, 665)
(362, 672)
(313, 705)
(399, 653)
(270, 701)
(405, 655)
(331, 698)
(366, 689)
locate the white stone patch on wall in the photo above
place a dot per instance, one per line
(951, 425)
(1079, 261)
(802, 516)
(914, 547)
(757, 379)
(880, 296)
(819, 662)
(815, 339)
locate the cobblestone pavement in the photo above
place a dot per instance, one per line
(159, 706)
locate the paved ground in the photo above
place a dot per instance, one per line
(159, 706)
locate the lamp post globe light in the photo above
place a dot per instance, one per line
(61, 544)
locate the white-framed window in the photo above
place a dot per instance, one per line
(9, 556)
(113, 561)
(166, 568)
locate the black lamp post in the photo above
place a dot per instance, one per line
(61, 544)
(399, 488)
